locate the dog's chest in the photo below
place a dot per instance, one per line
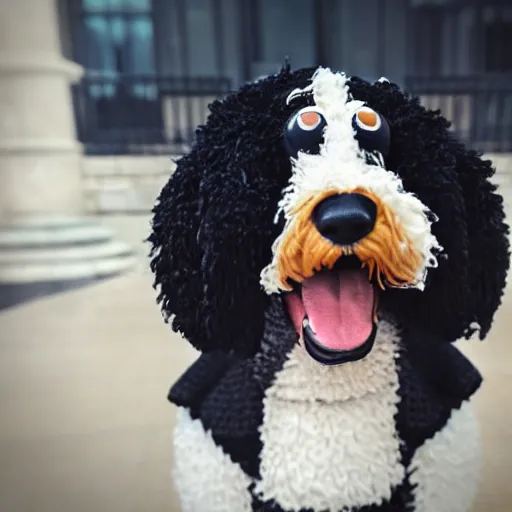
(329, 435)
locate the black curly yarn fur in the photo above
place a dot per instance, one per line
(213, 224)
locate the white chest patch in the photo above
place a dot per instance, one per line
(447, 467)
(329, 438)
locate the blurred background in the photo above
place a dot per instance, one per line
(97, 97)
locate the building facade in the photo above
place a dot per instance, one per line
(152, 66)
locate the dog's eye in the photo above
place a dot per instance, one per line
(305, 131)
(371, 130)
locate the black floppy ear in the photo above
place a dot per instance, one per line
(212, 232)
(488, 243)
(211, 235)
(175, 255)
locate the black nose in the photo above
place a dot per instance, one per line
(345, 218)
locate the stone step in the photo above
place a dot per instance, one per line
(65, 254)
(71, 271)
(58, 250)
(51, 232)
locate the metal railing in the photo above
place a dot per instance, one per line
(142, 114)
(159, 115)
(479, 107)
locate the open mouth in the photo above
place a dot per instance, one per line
(335, 312)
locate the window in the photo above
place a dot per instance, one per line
(498, 42)
(201, 42)
(116, 37)
(276, 30)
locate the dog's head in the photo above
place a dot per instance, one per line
(348, 199)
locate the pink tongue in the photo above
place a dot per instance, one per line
(339, 306)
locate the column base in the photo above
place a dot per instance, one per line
(44, 256)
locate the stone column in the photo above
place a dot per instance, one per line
(44, 239)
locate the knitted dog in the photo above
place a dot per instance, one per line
(323, 244)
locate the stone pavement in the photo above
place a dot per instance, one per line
(85, 425)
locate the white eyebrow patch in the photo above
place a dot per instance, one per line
(296, 93)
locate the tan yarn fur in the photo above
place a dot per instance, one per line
(386, 251)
